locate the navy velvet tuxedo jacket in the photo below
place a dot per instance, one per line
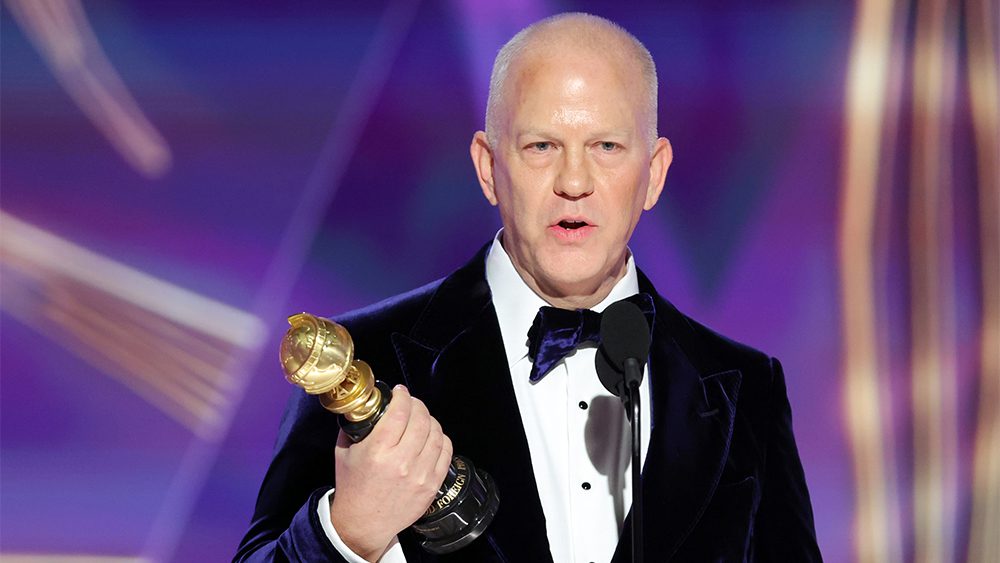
(722, 480)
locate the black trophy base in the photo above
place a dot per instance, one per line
(464, 508)
(465, 504)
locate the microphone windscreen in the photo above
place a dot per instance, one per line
(624, 334)
(612, 379)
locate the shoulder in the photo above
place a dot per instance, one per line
(417, 311)
(717, 352)
(714, 353)
(400, 313)
(394, 314)
(371, 327)
(709, 350)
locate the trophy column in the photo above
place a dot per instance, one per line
(318, 355)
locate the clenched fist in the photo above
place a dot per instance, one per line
(386, 481)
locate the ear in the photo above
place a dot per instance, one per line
(482, 159)
(663, 155)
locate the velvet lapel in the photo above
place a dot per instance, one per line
(693, 408)
(454, 361)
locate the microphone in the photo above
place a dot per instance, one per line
(624, 336)
(625, 341)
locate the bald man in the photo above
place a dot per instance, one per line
(571, 158)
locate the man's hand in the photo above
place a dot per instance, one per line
(387, 481)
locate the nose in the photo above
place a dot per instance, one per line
(574, 181)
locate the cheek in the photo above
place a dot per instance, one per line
(516, 211)
(527, 193)
(628, 196)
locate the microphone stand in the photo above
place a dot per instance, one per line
(624, 349)
(633, 376)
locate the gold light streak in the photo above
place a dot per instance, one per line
(63, 37)
(198, 355)
(170, 346)
(35, 251)
(74, 558)
(883, 244)
(134, 341)
(96, 331)
(932, 285)
(150, 381)
(981, 17)
(867, 81)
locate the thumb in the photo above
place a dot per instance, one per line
(344, 441)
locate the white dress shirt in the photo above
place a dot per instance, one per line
(577, 433)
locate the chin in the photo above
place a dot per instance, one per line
(573, 276)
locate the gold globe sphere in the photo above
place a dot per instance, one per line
(315, 353)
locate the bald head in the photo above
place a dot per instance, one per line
(572, 34)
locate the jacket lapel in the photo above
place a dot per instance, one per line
(692, 411)
(453, 360)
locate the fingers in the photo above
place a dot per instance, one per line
(386, 481)
(418, 430)
(391, 427)
(409, 439)
(435, 457)
(443, 460)
(431, 466)
(435, 439)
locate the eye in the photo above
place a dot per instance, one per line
(608, 146)
(540, 146)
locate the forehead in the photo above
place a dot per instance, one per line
(573, 87)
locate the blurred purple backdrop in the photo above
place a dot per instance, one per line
(313, 156)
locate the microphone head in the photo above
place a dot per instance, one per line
(624, 334)
(612, 379)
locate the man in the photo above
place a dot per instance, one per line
(571, 158)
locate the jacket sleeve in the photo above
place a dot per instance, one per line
(784, 529)
(303, 540)
(285, 525)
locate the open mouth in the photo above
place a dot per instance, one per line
(572, 225)
(572, 230)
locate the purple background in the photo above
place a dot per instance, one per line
(319, 162)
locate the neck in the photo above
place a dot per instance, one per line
(581, 295)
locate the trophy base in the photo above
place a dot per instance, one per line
(465, 504)
(463, 520)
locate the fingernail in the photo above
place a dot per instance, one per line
(400, 386)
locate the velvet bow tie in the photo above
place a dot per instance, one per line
(557, 332)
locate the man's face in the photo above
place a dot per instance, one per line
(572, 171)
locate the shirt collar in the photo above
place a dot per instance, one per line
(517, 304)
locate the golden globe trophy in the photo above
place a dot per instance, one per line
(317, 354)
